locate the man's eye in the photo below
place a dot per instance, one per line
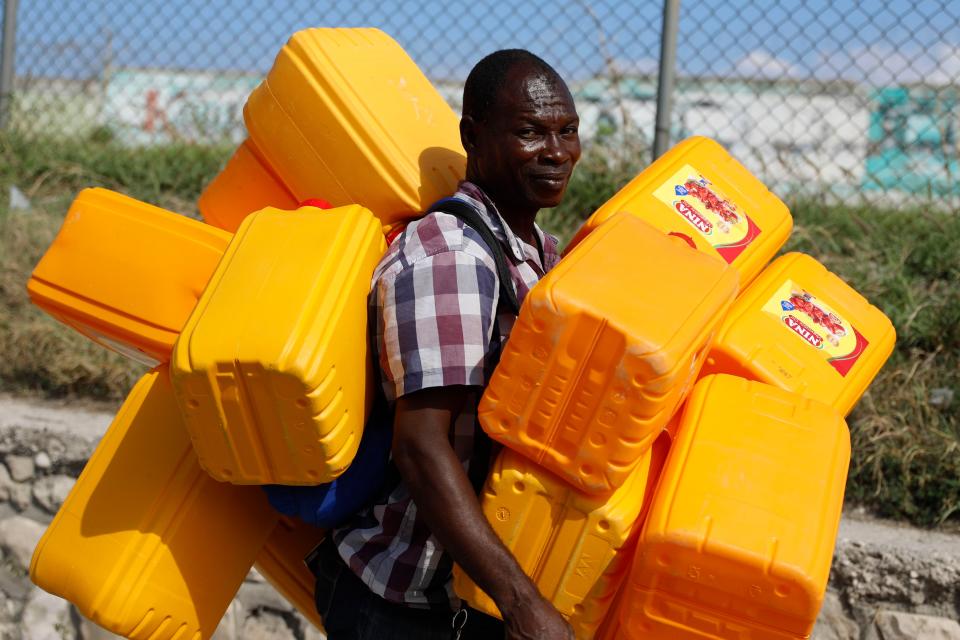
(569, 131)
(527, 132)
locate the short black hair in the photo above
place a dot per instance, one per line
(487, 78)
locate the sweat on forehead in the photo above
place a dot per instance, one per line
(492, 73)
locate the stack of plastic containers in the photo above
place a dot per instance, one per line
(577, 399)
(737, 545)
(594, 368)
(272, 370)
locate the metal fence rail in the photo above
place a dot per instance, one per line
(844, 99)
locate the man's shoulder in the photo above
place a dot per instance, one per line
(435, 234)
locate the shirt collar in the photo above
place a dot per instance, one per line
(521, 251)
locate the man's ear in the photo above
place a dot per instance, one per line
(468, 134)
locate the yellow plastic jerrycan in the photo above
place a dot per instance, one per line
(741, 533)
(575, 547)
(802, 328)
(281, 562)
(126, 274)
(147, 545)
(606, 347)
(700, 193)
(346, 115)
(272, 371)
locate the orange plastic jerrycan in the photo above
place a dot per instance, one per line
(147, 545)
(281, 562)
(126, 274)
(272, 371)
(742, 528)
(802, 328)
(245, 185)
(609, 629)
(606, 347)
(345, 114)
(575, 547)
(700, 193)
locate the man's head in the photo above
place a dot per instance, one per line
(519, 129)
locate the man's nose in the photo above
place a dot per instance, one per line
(554, 149)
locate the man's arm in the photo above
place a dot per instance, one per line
(446, 499)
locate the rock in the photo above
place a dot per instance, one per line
(20, 467)
(42, 461)
(231, 625)
(310, 632)
(5, 483)
(941, 397)
(46, 617)
(18, 202)
(264, 625)
(833, 623)
(51, 491)
(896, 625)
(18, 538)
(261, 595)
(19, 495)
(15, 585)
(896, 568)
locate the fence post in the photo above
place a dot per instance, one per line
(6, 60)
(665, 79)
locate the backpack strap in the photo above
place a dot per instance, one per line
(470, 217)
(482, 446)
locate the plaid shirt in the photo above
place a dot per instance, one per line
(434, 298)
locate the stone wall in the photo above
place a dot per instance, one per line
(887, 582)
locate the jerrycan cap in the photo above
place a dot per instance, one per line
(683, 238)
(319, 203)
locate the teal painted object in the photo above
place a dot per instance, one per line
(913, 139)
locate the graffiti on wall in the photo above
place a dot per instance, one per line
(159, 106)
(913, 141)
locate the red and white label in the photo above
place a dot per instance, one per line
(703, 225)
(803, 331)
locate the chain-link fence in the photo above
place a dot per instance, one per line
(854, 100)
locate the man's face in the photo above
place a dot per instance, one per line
(526, 147)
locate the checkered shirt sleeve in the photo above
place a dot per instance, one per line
(436, 322)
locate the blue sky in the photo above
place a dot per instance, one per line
(884, 42)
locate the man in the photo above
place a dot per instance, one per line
(439, 328)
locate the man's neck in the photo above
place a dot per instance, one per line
(521, 221)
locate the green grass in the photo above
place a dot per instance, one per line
(51, 171)
(906, 450)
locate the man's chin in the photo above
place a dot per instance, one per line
(547, 198)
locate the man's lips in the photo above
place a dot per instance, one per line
(550, 179)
